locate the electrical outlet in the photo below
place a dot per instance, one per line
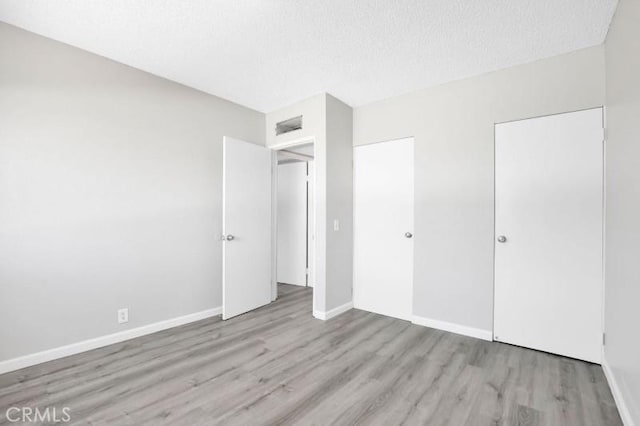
(336, 225)
(123, 315)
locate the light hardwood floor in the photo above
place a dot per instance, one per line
(279, 365)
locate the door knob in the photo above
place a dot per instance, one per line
(408, 234)
(230, 237)
(502, 239)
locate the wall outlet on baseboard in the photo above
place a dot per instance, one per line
(123, 315)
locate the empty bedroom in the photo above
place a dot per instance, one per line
(334, 212)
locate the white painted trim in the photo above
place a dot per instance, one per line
(98, 342)
(333, 312)
(274, 225)
(623, 408)
(290, 155)
(453, 328)
(274, 219)
(288, 144)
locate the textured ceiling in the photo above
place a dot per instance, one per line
(266, 54)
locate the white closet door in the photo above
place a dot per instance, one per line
(292, 223)
(548, 249)
(383, 228)
(246, 216)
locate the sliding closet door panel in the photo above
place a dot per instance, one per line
(383, 227)
(548, 249)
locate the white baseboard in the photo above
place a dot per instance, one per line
(98, 342)
(453, 328)
(333, 312)
(623, 408)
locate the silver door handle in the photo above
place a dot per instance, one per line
(230, 237)
(408, 235)
(502, 239)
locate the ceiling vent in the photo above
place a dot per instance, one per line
(289, 125)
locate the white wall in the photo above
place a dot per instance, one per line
(313, 112)
(313, 129)
(328, 122)
(622, 246)
(339, 173)
(110, 194)
(453, 126)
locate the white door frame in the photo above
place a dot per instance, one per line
(274, 212)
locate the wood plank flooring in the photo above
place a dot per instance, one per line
(279, 365)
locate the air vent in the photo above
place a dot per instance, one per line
(289, 125)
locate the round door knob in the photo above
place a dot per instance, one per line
(502, 239)
(408, 234)
(230, 237)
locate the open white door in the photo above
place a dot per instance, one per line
(292, 223)
(246, 227)
(548, 271)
